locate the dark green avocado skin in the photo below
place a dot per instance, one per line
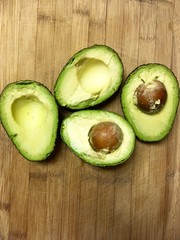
(144, 66)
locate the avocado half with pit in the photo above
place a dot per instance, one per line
(29, 114)
(150, 98)
(99, 137)
(90, 77)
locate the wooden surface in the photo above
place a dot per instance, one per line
(65, 198)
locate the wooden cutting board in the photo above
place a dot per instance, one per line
(65, 198)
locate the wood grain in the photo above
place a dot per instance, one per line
(64, 198)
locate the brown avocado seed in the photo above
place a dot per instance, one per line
(105, 137)
(151, 97)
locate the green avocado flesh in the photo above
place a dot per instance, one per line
(29, 114)
(90, 77)
(150, 127)
(75, 133)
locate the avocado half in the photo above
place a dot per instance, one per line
(90, 77)
(151, 120)
(29, 114)
(75, 132)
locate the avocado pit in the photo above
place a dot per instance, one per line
(151, 97)
(105, 137)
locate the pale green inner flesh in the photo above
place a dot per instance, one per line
(29, 113)
(87, 79)
(76, 131)
(32, 123)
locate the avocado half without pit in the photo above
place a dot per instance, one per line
(150, 98)
(90, 77)
(29, 114)
(99, 137)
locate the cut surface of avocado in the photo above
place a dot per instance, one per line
(29, 114)
(90, 77)
(151, 119)
(76, 129)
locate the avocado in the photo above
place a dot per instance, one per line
(150, 99)
(29, 114)
(90, 77)
(101, 138)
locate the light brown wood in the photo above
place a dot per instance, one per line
(65, 198)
